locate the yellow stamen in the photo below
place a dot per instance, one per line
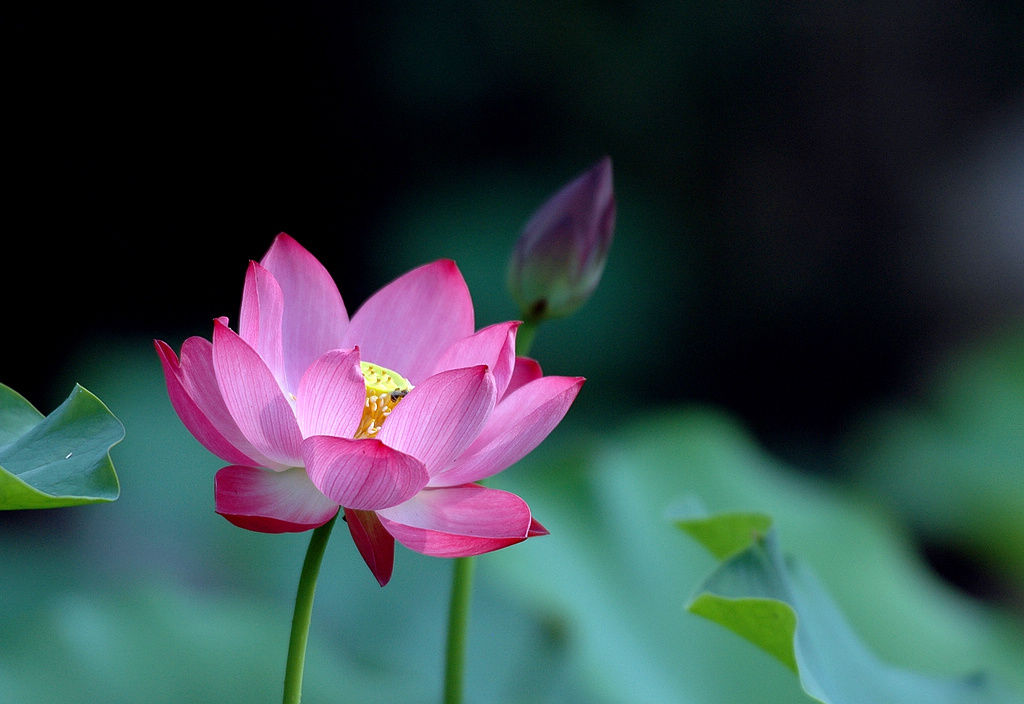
(384, 389)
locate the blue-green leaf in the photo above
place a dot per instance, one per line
(778, 605)
(60, 460)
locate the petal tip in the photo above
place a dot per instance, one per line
(165, 351)
(536, 529)
(374, 543)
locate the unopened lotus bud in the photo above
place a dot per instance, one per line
(562, 250)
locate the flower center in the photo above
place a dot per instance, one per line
(384, 389)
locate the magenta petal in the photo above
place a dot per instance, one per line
(494, 346)
(314, 318)
(195, 396)
(525, 371)
(271, 502)
(518, 424)
(375, 544)
(331, 395)
(406, 325)
(441, 416)
(536, 529)
(459, 521)
(259, 323)
(254, 398)
(362, 474)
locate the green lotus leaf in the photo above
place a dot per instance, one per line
(722, 535)
(62, 459)
(778, 605)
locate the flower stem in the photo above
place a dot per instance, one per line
(303, 612)
(458, 622)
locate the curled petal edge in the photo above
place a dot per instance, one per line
(265, 501)
(207, 419)
(460, 521)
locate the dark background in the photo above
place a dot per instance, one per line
(816, 199)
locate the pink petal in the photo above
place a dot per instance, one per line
(459, 521)
(375, 544)
(494, 346)
(259, 323)
(536, 529)
(518, 424)
(195, 396)
(331, 395)
(441, 416)
(362, 474)
(314, 318)
(525, 371)
(254, 399)
(406, 325)
(270, 502)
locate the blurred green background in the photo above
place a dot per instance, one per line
(814, 307)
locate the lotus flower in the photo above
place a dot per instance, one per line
(393, 416)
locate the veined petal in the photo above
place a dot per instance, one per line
(459, 521)
(441, 416)
(406, 325)
(195, 396)
(259, 322)
(494, 346)
(525, 371)
(518, 424)
(314, 318)
(362, 474)
(331, 395)
(271, 502)
(254, 399)
(375, 544)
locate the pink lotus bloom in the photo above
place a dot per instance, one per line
(392, 415)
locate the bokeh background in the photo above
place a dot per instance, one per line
(819, 258)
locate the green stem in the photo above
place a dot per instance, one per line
(524, 336)
(303, 612)
(462, 581)
(458, 622)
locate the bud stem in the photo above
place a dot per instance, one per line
(458, 623)
(524, 337)
(462, 580)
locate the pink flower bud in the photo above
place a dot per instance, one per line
(562, 250)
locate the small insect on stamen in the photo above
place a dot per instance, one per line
(384, 388)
